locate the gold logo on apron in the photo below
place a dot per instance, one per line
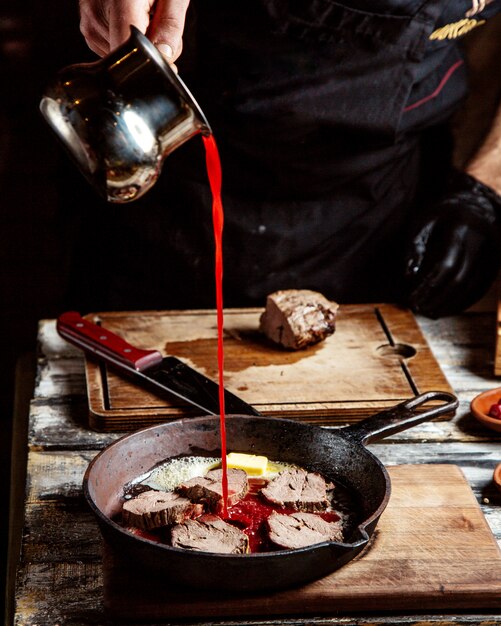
(455, 30)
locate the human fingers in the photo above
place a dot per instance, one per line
(167, 26)
(105, 24)
(94, 25)
(126, 13)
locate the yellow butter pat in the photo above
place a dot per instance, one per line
(254, 465)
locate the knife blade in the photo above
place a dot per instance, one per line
(167, 374)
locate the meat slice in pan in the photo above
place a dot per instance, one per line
(299, 490)
(209, 533)
(297, 318)
(301, 529)
(208, 489)
(154, 509)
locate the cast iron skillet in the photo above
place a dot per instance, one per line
(338, 454)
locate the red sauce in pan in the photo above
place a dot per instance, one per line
(250, 513)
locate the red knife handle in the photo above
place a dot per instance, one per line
(96, 339)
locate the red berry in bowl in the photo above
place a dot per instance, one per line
(495, 411)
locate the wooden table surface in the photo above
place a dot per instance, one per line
(59, 575)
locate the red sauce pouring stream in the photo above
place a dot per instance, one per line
(213, 164)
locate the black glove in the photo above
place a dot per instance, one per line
(455, 255)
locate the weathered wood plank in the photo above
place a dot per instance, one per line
(62, 424)
(464, 347)
(76, 600)
(61, 531)
(56, 475)
(51, 345)
(59, 593)
(467, 455)
(62, 377)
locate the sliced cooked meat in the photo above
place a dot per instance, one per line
(298, 490)
(208, 489)
(153, 509)
(297, 318)
(209, 534)
(301, 529)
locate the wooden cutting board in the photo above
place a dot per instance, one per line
(432, 549)
(376, 358)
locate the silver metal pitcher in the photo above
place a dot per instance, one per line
(119, 117)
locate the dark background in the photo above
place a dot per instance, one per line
(36, 39)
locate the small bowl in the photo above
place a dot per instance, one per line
(480, 406)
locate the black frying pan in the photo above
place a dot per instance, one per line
(339, 455)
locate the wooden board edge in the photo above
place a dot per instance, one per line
(414, 340)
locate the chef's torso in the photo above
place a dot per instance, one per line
(317, 107)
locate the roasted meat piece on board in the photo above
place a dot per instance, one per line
(297, 318)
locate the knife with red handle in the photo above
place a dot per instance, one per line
(168, 374)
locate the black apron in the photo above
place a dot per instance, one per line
(313, 105)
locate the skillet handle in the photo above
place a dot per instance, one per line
(400, 417)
